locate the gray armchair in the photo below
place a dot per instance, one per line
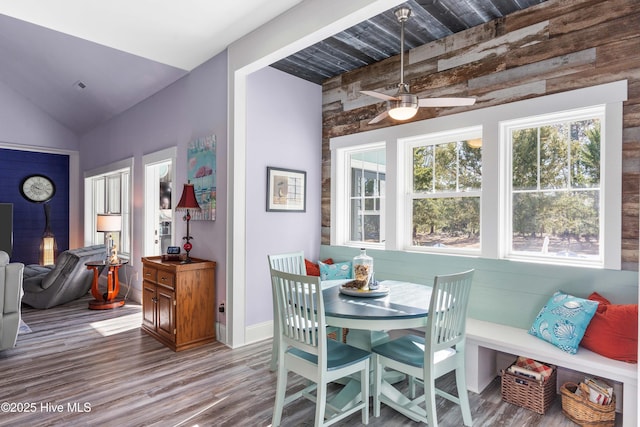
(10, 296)
(67, 280)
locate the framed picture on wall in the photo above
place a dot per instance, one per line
(286, 190)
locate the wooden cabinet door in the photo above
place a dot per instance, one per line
(166, 324)
(149, 305)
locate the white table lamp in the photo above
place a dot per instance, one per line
(108, 223)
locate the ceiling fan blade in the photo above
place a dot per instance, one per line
(379, 118)
(379, 95)
(445, 102)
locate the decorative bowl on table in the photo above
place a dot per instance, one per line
(356, 288)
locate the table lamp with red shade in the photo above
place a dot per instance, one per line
(188, 202)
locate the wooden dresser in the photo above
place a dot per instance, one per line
(178, 302)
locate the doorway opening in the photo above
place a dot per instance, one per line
(159, 206)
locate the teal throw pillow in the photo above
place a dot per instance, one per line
(337, 271)
(563, 321)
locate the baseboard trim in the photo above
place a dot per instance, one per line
(259, 332)
(221, 332)
(253, 334)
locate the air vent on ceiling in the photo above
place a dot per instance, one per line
(80, 85)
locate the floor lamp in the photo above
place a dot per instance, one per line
(48, 245)
(188, 201)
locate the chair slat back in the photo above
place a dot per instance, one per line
(448, 310)
(300, 309)
(292, 262)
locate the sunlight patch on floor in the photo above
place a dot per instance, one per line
(117, 325)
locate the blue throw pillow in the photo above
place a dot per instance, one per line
(338, 271)
(563, 321)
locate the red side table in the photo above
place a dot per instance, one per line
(110, 298)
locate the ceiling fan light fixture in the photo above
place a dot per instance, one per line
(402, 113)
(474, 143)
(404, 107)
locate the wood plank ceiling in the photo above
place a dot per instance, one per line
(378, 38)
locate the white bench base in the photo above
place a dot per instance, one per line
(484, 339)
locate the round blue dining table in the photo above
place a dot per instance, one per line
(369, 318)
(406, 305)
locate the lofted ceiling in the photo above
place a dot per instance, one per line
(85, 61)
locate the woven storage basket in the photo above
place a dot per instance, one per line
(529, 393)
(584, 412)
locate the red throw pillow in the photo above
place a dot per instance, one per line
(613, 331)
(602, 300)
(313, 269)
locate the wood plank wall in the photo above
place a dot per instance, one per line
(550, 48)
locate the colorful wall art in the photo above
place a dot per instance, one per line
(201, 172)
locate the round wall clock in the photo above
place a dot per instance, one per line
(37, 188)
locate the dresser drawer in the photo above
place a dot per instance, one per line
(166, 278)
(149, 273)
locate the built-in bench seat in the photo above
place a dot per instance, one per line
(512, 293)
(484, 339)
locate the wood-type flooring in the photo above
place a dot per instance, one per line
(81, 367)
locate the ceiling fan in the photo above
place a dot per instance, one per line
(405, 104)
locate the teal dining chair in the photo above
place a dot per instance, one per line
(426, 358)
(305, 350)
(292, 262)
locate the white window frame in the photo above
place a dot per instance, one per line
(434, 139)
(611, 95)
(506, 129)
(91, 210)
(342, 233)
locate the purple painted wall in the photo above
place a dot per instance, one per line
(26, 127)
(283, 131)
(284, 116)
(23, 123)
(194, 106)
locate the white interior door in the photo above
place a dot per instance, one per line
(159, 170)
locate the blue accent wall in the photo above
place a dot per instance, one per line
(29, 218)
